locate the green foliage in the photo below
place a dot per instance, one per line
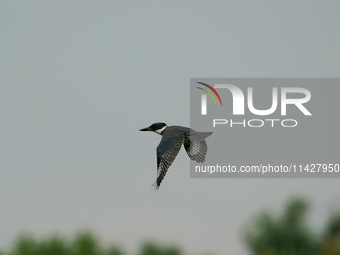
(53, 246)
(333, 227)
(289, 234)
(84, 243)
(286, 234)
(114, 251)
(154, 249)
(25, 245)
(331, 244)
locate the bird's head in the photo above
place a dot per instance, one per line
(155, 127)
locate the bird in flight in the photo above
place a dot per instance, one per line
(172, 139)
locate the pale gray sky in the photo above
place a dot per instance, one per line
(78, 79)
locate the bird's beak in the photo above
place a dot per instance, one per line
(145, 129)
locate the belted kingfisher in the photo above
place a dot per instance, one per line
(172, 139)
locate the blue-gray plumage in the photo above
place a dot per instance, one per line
(172, 139)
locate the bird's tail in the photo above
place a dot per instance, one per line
(155, 186)
(195, 136)
(196, 150)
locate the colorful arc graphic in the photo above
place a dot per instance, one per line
(210, 93)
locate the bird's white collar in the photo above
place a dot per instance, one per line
(159, 131)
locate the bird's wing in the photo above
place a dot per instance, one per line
(196, 150)
(167, 151)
